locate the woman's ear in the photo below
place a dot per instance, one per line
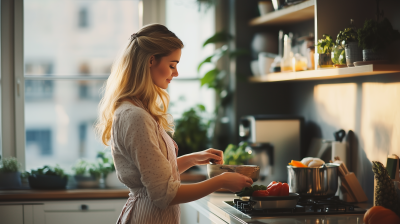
(152, 59)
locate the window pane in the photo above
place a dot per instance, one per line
(196, 27)
(59, 119)
(76, 37)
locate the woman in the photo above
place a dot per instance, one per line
(134, 120)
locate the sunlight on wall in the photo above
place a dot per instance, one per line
(336, 104)
(380, 120)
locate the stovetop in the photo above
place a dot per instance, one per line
(330, 206)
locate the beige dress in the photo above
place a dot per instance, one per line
(145, 161)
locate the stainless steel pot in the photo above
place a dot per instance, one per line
(313, 182)
(251, 171)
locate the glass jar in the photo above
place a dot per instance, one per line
(338, 55)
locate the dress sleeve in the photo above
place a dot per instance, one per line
(141, 142)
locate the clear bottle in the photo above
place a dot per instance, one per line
(287, 60)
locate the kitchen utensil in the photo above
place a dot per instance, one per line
(351, 184)
(275, 202)
(339, 135)
(313, 182)
(251, 171)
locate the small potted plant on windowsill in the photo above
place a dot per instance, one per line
(87, 175)
(375, 37)
(107, 167)
(47, 178)
(9, 173)
(324, 49)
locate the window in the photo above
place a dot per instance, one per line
(66, 65)
(185, 90)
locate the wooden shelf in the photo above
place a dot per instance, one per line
(329, 73)
(293, 14)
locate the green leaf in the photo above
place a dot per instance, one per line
(207, 60)
(209, 77)
(201, 107)
(218, 38)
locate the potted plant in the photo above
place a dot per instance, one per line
(324, 49)
(9, 173)
(191, 131)
(338, 55)
(349, 39)
(236, 155)
(47, 178)
(87, 175)
(375, 37)
(106, 164)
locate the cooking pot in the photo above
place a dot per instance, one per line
(252, 171)
(313, 182)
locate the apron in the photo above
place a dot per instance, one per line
(139, 208)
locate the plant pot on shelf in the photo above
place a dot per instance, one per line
(111, 181)
(83, 181)
(325, 60)
(47, 182)
(10, 180)
(353, 53)
(371, 55)
(338, 55)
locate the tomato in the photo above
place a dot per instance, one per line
(284, 190)
(260, 193)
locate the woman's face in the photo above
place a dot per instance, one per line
(165, 69)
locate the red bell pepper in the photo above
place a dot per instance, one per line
(284, 190)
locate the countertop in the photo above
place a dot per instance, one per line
(26, 195)
(215, 204)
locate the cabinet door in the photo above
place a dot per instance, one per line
(83, 212)
(12, 214)
(190, 215)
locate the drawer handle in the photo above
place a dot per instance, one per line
(84, 207)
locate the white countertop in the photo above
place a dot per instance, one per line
(214, 203)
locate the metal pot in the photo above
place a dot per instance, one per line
(251, 171)
(313, 182)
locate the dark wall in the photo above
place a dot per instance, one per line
(368, 106)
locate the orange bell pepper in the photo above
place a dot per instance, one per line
(297, 164)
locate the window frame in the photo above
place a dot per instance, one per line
(13, 136)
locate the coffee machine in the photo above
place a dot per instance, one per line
(274, 140)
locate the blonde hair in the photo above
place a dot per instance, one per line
(130, 78)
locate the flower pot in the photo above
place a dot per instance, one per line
(324, 60)
(353, 53)
(47, 182)
(112, 181)
(10, 180)
(370, 55)
(338, 55)
(87, 181)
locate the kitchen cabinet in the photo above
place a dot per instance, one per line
(62, 211)
(194, 212)
(12, 214)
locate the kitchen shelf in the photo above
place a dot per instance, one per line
(293, 14)
(329, 73)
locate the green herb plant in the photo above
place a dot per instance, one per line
(324, 46)
(105, 163)
(191, 130)
(10, 165)
(377, 35)
(248, 191)
(85, 168)
(235, 155)
(346, 36)
(47, 170)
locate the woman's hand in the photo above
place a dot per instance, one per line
(235, 181)
(204, 157)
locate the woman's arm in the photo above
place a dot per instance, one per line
(199, 158)
(231, 181)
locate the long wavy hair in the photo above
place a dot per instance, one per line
(130, 78)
